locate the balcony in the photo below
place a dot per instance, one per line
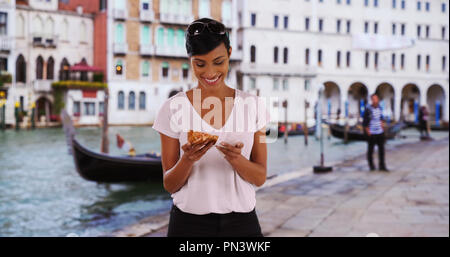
(176, 18)
(120, 14)
(147, 49)
(147, 15)
(42, 85)
(41, 40)
(5, 44)
(120, 48)
(170, 51)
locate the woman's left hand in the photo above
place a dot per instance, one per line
(231, 153)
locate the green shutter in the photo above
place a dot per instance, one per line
(180, 37)
(145, 35)
(185, 66)
(160, 36)
(165, 65)
(145, 68)
(170, 36)
(119, 33)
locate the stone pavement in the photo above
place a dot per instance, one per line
(411, 200)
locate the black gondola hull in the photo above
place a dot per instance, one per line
(112, 169)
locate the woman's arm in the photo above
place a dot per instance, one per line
(177, 169)
(255, 169)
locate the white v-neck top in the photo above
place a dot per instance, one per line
(213, 185)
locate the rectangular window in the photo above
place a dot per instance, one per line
(402, 61)
(376, 60)
(320, 25)
(338, 26)
(307, 56)
(419, 62)
(286, 22)
(427, 62)
(419, 5)
(307, 24)
(252, 83)
(444, 63)
(419, 29)
(349, 59)
(394, 28)
(275, 21)
(393, 62)
(285, 84)
(89, 109)
(204, 9)
(403, 4)
(366, 27)
(145, 69)
(443, 32)
(367, 60)
(276, 84)
(185, 69)
(394, 4)
(375, 28)
(403, 29)
(338, 59)
(165, 70)
(101, 108)
(3, 64)
(319, 58)
(76, 109)
(427, 31)
(349, 27)
(253, 19)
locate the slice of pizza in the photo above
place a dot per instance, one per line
(195, 137)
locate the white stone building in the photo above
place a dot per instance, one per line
(45, 42)
(398, 48)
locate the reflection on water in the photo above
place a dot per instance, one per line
(41, 193)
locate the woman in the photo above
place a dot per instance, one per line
(212, 185)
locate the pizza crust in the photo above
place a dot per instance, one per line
(195, 137)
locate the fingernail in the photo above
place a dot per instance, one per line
(222, 143)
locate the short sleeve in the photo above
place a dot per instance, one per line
(164, 121)
(262, 114)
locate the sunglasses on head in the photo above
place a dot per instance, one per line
(197, 28)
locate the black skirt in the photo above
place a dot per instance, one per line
(234, 224)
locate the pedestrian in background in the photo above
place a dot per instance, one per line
(374, 125)
(423, 119)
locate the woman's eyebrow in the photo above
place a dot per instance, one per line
(196, 59)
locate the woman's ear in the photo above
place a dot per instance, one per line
(229, 51)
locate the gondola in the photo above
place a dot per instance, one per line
(298, 132)
(104, 168)
(356, 134)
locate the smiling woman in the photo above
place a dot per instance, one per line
(213, 188)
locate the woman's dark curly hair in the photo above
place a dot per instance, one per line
(206, 41)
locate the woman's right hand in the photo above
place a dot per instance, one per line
(193, 153)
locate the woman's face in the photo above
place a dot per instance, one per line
(211, 69)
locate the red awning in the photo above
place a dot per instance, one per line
(84, 67)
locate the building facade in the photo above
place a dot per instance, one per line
(396, 48)
(147, 56)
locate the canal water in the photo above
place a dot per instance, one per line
(41, 193)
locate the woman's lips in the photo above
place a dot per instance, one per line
(212, 82)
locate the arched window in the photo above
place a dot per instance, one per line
(50, 68)
(142, 101)
(21, 69)
(121, 100)
(64, 70)
(39, 68)
(84, 74)
(131, 101)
